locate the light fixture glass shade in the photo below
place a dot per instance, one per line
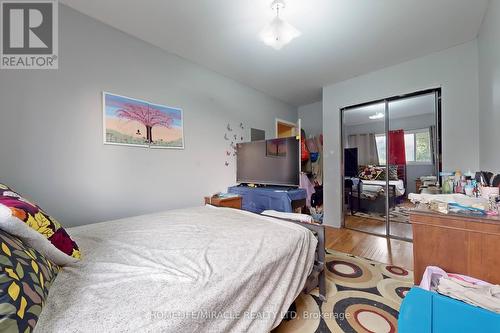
(278, 33)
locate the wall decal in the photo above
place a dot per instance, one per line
(233, 139)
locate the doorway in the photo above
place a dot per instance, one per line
(391, 147)
(285, 129)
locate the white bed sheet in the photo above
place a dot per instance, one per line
(201, 269)
(398, 184)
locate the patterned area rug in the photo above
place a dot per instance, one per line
(399, 214)
(362, 296)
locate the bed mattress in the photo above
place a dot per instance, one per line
(202, 269)
(376, 185)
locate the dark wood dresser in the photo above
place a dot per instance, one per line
(457, 244)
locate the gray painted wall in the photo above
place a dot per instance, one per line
(51, 127)
(489, 89)
(455, 70)
(312, 118)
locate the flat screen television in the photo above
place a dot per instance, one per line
(269, 162)
(351, 162)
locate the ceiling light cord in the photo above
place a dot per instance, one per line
(278, 4)
(278, 11)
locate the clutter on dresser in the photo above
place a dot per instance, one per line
(472, 194)
(426, 184)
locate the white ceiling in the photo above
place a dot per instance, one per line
(340, 38)
(402, 108)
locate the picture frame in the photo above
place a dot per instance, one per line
(138, 123)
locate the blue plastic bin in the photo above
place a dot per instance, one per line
(423, 311)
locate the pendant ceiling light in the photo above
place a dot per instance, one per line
(278, 33)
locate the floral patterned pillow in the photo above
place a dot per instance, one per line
(393, 173)
(25, 279)
(370, 172)
(28, 221)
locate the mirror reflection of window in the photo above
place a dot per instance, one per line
(417, 147)
(381, 148)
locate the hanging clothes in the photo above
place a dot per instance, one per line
(306, 184)
(317, 170)
(317, 166)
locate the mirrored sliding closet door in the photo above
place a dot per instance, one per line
(391, 149)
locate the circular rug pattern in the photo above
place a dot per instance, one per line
(305, 318)
(394, 290)
(331, 289)
(396, 272)
(361, 312)
(357, 307)
(352, 272)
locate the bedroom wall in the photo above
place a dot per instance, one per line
(455, 70)
(51, 127)
(312, 118)
(489, 88)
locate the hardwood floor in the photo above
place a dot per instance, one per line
(377, 226)
(402, 230)
(390, 251)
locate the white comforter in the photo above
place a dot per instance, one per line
(202, 269)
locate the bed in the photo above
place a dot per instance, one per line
(378, 186)
(368, 194)
(202, 269)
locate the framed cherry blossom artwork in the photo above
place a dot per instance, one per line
(133, 122)
(276, 148)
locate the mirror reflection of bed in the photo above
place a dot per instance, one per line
(379, 173)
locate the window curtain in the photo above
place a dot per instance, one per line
(367, 148)
(397, 151)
